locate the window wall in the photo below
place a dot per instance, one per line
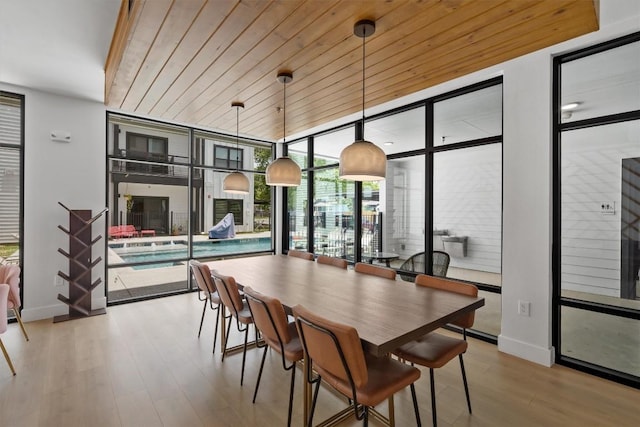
(441, 199)
(11, 172)
(597, 208)
(166, 204)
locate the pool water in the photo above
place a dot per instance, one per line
(166, 251)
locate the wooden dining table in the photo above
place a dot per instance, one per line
(386, 313)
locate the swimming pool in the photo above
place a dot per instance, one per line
(165, 251)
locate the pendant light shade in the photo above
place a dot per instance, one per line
(283, 172)
(362, 160)
(236, 182)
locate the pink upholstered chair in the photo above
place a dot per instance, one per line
(10, 274)
(206, 292)
(4, 293)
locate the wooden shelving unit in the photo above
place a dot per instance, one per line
(80, 264)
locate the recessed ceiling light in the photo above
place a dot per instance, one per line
(388, 143)
(570, 106)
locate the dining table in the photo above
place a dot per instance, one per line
(386, 313)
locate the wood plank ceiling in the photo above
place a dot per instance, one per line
(186, 61)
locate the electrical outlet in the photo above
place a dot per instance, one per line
(524, 308)
(57, 281)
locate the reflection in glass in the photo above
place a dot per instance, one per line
(398, 133)
(297, 151)
(467, 212)
(333, 214)
(297, 208)
(403, 208)
(327, 147)
(600, 211)
(601, 84)
(467, 117)
(609, 341)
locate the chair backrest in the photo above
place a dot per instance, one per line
(375, 270)
(10, 274)
(269, 317)
(334, 348)
(336, 262)
(465, 321)
(440, 263)
(227, 290)
(205, 283)
(416, 263)
(300, 254)
(4, 293)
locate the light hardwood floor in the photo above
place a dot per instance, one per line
(142, 365)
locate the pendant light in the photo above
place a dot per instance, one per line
(363, 160)
(236, 182)
(284, 172)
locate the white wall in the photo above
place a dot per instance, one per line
(72, 173)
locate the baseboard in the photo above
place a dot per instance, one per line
(540, 355)
(51, 311)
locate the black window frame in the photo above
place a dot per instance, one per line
(230, 163)
(235, 206)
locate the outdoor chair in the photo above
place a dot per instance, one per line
(335, 352)
(375, 270)
(10, 274)
(271, 320)
(415, 263)
(435, 350)
(4, 294)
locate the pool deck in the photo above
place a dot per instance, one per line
(126, 277)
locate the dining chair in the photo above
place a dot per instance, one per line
(435, 350)
(336, 262)
(237, 306)
(300, 254)
(10, 274)
(208, 294)
(4, 295)
(270, 319)
(375, 270)
(335, 352)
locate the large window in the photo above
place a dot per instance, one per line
(11, 148)
(166, 204)
(597, 209)
(441, 199)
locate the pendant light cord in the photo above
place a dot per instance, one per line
(237, 138)
(284, 111)
(363, 67)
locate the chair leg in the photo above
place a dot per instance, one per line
(215, 331)
(415, 405)
(264, 356)
(464, 380)
(392, 415)
(433, 398)
(293, 383)
(244, 353)
(224, 347)
(24, 331)
(365, 418)
(204, 309)
(6, 356)
(313, 401)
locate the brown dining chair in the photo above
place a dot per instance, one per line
(238, 308)
(300, 254)
(335, 352)
(271, 320)
(4, 295)
(336, 262)
(10, 274)
(435, 350)
(208, 294)
(375, 270)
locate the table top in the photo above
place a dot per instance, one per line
(386, 313)
(382, 256)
